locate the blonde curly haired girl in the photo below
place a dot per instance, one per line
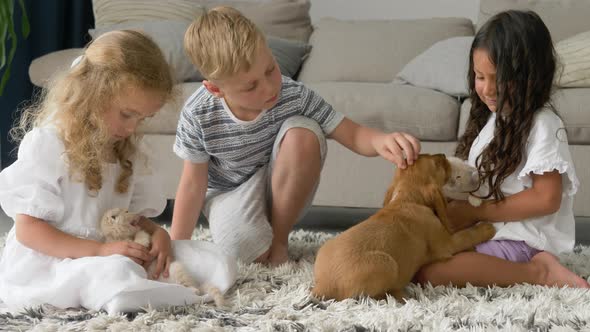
(79, 156)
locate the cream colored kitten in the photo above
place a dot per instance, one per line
(459, 186)
(120, 225)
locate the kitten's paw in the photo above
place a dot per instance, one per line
(474, 201)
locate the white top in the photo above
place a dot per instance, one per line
(546, 150)
(38, 184)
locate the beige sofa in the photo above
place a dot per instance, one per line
(352, 65)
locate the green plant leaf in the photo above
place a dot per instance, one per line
(25, 26)
(13, 37)
(4, 80)
(4, 22)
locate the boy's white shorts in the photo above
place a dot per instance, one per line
(238, 219)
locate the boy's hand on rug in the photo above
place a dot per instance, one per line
(162, 251)
(461, 214)
(138, 253)
(400, 148)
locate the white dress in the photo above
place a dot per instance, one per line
(546, 150)
(38, 184)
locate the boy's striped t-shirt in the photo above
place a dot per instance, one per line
(235, 149)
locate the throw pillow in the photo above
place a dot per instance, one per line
(288, 19)
(441, 67)
(574, 58)
(289, 54)
(169, 35)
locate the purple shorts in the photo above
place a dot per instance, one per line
(514, 251)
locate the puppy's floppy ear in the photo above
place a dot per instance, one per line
(437, 202)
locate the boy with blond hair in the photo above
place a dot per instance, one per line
(254, 142)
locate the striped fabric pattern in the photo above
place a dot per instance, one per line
(235, 149)
(574, 56)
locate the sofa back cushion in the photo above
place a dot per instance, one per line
(288, 19)
(373, 50)
(110, 12)
(564, 18)
(427, 114)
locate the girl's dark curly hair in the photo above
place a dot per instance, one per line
(519, 44)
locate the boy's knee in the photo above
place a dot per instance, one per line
(301, 139)
(302, 136)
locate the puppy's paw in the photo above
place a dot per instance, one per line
(487, 229)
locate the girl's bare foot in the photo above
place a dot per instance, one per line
(279, 254)
(264, 258)
(555, 274)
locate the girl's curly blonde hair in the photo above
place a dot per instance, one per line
(77, 101)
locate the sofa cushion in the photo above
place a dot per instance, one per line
(110, 12)
(287, 19)
(427, 114)
(289, 54)
(43, 68)
(166, 120)
(571, 105)
(441, 67)
(373, 50)
(564, 18)
(168, 35)
(574, 58)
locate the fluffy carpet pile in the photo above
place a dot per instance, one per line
(265, 299)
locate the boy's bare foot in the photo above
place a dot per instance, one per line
(555, 274)
(279, 254)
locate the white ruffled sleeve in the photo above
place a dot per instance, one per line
(31, 185)
(147, 198)
(547, 150)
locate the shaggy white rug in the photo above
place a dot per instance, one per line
(265, 299)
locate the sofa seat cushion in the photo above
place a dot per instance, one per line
(571, 105)
(427, 114)
(373, 50)
(166, 120)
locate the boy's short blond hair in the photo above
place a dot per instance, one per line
(222, 42)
